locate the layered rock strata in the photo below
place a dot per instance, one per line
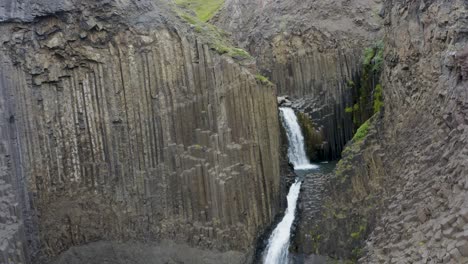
(126, 126)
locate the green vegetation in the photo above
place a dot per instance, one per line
(357, 235)
(362, 131)
(316, 238)
(348, 110)
(356, 107)
(378, 98)
(215, 38)
(204, 9)
(312, 138)
(369, 54)
(368, 95)
(264, 80)
(373, 57)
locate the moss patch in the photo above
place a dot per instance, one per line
(373, 57)
(378, 98)
(215, 38)
(362, 131)
(312, 138)
(367, 93)
(262, 79)
(204, 9)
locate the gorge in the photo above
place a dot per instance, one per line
(193, 131)
(278, 244)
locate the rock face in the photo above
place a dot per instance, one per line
(311, 50)
(402, 189)
(118, 123)
(425, 136)
(146, 253)
(352, 203)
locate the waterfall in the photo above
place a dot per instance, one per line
(278, 244)
(277, 250)
(296, 149)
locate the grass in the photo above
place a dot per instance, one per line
(362, 131)
(264, 80)
(215, 38)
(204, 9)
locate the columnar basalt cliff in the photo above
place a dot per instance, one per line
(425, 135)
(130, 131)
(399, 194)
(311, 50)
(119, 124)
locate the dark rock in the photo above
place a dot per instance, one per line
(127, 134)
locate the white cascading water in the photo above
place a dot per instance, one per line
(278, 244)
(296, 150)
(277, 250)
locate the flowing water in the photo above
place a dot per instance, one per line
(296, 150)
(277, 251)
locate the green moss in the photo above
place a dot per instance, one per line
(204, 9)
(216, 39)
(367, 97)
(264, 80)
(339, 216)
(362, 131)
(220, 48)
(316, 238)
(378, 58)
(312, 138)
(369, 54)
(356, 107)
(357, 235)
(348, 110)
(373, 57)
(237, 52)
(378, 98)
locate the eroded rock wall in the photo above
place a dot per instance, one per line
(127, 126)
(426, 133)
(311, 50)
(404, 197)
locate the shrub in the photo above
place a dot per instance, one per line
(373, 57)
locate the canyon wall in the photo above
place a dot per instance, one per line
(399, 194)
(425, 135)
(118, 123)
(311, 50)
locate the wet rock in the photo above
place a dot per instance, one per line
(284, 101)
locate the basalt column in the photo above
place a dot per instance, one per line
(135, 133)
